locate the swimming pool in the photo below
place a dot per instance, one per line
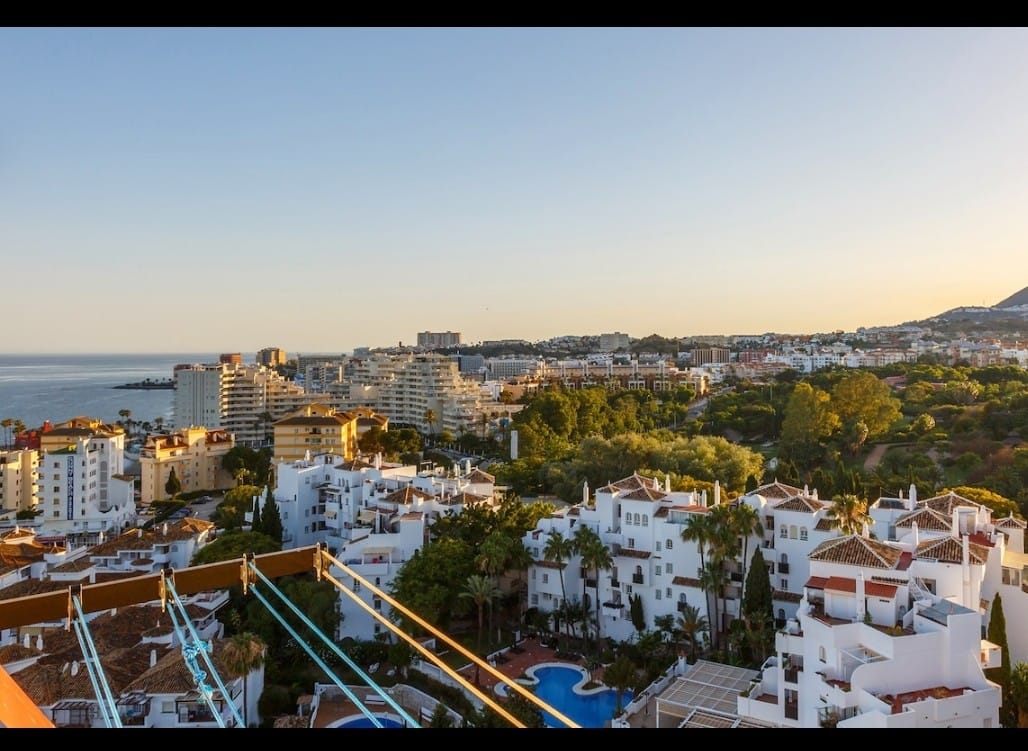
(362, 721)
(556, 686)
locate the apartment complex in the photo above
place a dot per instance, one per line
(375, 514)
(438, 339)
(424, 391)
(82, 488)
(614, 342)
(18, 471)
(195, 454)
(315, 429)
(244, 400)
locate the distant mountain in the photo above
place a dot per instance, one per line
(1015, 300)
(1007, 318)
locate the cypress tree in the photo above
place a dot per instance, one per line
(256, 525)
(997, 634)
(271, 521)
(758, 607)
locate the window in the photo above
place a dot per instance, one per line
(667, 592)
(783, 532)
(646, 520)
(167, 707)
(631, 543)
(658, 594)
(784, 584)
(636, 518)
(821, 653)
(667, 543)
(658, 546)
(667, 569)
(656, 570)
(792, 532)
(546, 578)
(803, 533)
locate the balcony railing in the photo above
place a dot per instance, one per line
(637, 578)
(783, 568)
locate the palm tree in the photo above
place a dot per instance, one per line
(596, 556)
(620, 675)
(7, 422)
(492, 560)
(691, 623)
(481, 590)
(242, 654)
(744, 522)
(699, 529)
(723, 546)
(848, 514)
(1019, 692)
(430, 416)
(559, 549)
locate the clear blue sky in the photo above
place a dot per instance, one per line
(320, 189)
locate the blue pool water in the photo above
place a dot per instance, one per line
(556, 688)
(364, 722)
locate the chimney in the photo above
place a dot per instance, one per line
(717, 492)
(74, 668)
(667, 482)
(164, 529)
(912, 500)
(703, 498)
(915, 538)
(153, 657)
(585, 492)
(866, 531)
(861, 602)
(139, 532)
(27, 641)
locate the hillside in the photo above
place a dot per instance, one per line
(1015, 300)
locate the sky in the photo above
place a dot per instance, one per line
(320, 189)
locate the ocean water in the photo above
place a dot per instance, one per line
(35, 388)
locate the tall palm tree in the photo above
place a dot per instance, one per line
(596, 556)
(848, 514)
(744, 522)
(620, 675)
(699, 530)
(430, 416)
(242, 654)
(492, 560)
(559, 549)
(481, 590)
(723, 546)
(692, 623)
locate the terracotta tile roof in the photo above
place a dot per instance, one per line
(871, 588)
(776, 490)
(478, 476)
(543, 563)
(313, 421)
(824, 524)
(783, 596)
(632, 482)
(951, 550)
(630, 553)
(470, 498)
(660, 512)
(28, 587)
(79, 564)
(146, 539)
(21, 551)
(354, 465)
(14, 652)
(801, 503)
(816, 582)
(645, 494)
(171, 675)
(947, 502)
(855, 550)
(411, 516)
(1010, 521)
(927, 519)
(408, 494)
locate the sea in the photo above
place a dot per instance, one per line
(37, 388)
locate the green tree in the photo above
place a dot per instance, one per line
(596, 557)
(481, 590)
(271, 519)
(621, 675)
(860, 396)
(635, 612)
(232, 509)
(255, 523)
(429, 583)
(809, 420)
(242, 654)
(234, 544)
(744, 521)
(758, 608)
(692, 624)
(1019, 692)
(173, 486)
(997, 634)
(848, 514)
(440, 717)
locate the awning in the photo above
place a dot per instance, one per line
(366, 516)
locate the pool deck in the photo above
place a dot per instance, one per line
(514, 664)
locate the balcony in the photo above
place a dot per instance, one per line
(783, 568)
(637, 578)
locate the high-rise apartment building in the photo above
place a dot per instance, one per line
(194, 454)
(438, 339)
(271, 357)
(18, 479)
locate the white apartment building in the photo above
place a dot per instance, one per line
(372, 516)
(408, 388)
(18, 471)
(501, 368)
(82, 488)
(241, 399)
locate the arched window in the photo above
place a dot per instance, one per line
(803, 533)
(636, 519)
(792, 532)
(783, 532)
(646, 520)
